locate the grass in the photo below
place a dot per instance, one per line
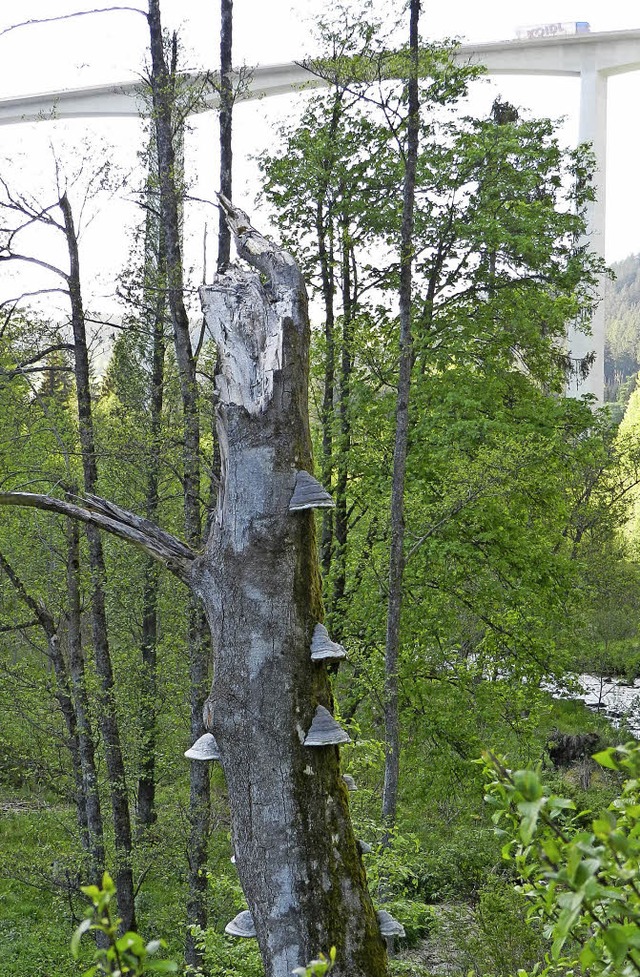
(35, 923)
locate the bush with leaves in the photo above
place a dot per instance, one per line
(580, 872)
(125, 954)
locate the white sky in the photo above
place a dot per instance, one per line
(111, 47)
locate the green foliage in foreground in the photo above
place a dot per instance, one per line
(580, 873)
(123, 954)
(319, 967)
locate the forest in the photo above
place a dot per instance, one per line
(301, 583)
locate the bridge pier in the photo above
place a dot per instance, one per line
(593, 129)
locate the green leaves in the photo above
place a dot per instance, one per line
(582, 883)
(125, 954)
(319, 967)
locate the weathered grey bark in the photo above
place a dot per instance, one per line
(171, 552)
(225, 118)
(296, 854)
(199, 649)
(102, 656)
(396, 558)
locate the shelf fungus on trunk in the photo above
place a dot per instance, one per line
(323, 648)
(388, 925)
(308, 493)
(259, 580)
(365, 849)
(204, 748)
(241, 925)
(325, 731)
(349, 781)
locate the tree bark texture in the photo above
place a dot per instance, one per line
(396, 558)
(296, 854)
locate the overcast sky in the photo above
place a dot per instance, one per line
(111, 47)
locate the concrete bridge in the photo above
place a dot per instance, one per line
(590, 57)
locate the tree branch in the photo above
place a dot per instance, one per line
(44, 619)
(12, 256)
(77, 13)
(162, 546)
(36, 358)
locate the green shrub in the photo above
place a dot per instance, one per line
(580, 878)
(499, 941)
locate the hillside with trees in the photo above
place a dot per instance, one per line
(622, 338)
(296, 586)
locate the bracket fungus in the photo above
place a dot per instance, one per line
(204, 748)
(322, 647)
(241, 925)
(325, 731)
(349, 781)
(388, 925)
(366, 849)
(308, 493)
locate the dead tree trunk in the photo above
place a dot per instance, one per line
(296, 854)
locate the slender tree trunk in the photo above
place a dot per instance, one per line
(145, 808)
(326, 274)
(107, 706)
(86, 743)
(346, 366)
(62, 691)
(296, 854)
(225, 120)
(199, 649)
(324, 235)
(199, 786)
(396, 559)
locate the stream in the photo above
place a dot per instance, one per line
(617, 700)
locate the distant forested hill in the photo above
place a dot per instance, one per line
(622, 348)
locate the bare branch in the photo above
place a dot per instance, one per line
(163, 547)
(256, 250)
(77, 13)
(9, 628)
(37, 357)
(103, 507)
(12, 256)
(14, 302)
(43, 617)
